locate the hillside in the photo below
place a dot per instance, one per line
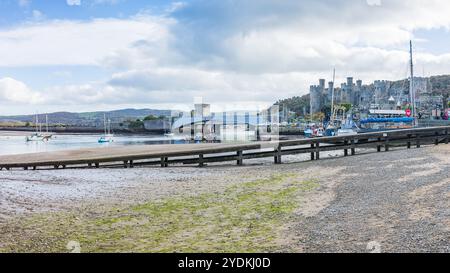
(88, 118)
(295, 104)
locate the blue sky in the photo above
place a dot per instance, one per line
(14, 12)
(82, 55)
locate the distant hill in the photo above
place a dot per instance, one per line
(88, 118)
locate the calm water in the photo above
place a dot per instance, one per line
(16, 144)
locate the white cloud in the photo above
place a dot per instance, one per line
(38, 15)
(73, 2)
(374, 2)
(229, 51)
(75, 43)
(14, 91)
(24, 3)
(109, 2)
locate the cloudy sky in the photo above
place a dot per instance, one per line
(82, 55)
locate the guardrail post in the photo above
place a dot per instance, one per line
(312, 153)
(418, 141)
(278, 155)
(436, 140)
(97, 165)
(345, 148)
(131, 164)
(164, 162)
(378, 145)
(317, 150)
(408, 144)
(353, 146)
(201, 162)
(386, 144)
(240, 158)
(446, 136)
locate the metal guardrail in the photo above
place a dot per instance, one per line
(239, 153)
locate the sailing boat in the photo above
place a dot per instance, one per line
(37, 135)
(47, 135)
(107, 137)
(385, 119)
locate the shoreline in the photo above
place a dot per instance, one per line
(384, 195)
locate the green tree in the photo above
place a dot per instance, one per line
(347, 106)
(152, 117)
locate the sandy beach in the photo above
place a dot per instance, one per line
(396, 201)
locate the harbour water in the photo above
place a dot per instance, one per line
(14, 142)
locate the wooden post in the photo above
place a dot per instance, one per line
(240, 158)
(89, 165)
(353, 146)
(97, 165)
(446, 136)
(345, 148)
(418, 140)
(164, 162)
(34, 168)
(131, 164)
(386, 144)
(378, 145)
(278, 154)
(201, 162)
(436, 140)
(312, 153)
(317, 150)
(408, 144)
(25, 168)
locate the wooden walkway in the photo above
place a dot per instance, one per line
(200, 154)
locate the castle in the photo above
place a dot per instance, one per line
(379, 94)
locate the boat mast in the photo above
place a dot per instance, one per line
(411, 84)
(104, 122)
(46, 122)
(332, 97)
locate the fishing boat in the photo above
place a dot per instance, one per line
(348, 127)
(308, 132)
(108, 137)
(385, 120)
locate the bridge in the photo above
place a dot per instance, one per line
(201, 154)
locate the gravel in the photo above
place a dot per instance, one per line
(397, 201)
